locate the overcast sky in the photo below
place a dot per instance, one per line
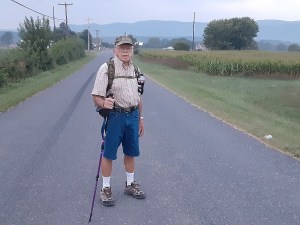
(111, 11)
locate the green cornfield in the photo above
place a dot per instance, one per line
(237, 63)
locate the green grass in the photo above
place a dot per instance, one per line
(256, 106)
(13, 94)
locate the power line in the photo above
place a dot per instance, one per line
(52, 17)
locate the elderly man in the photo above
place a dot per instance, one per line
(125, 121)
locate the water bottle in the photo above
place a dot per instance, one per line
(141, 82)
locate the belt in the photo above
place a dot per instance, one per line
(126, 110)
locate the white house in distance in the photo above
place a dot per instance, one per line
(169, 48)
(200, 47)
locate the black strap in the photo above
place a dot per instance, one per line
(110, 74)
(128, 77)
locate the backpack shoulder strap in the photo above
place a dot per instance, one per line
(136, 71)
(110, 73)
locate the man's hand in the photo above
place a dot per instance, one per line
(141, 127)
(108, 103)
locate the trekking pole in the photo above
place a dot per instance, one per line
(99, 166)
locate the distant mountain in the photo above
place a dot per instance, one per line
(288, 31)
(276, 31)
(279, 30)
(144, 28)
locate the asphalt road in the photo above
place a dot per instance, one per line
(194, 168)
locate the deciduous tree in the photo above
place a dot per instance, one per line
(293, 48)
(181, 46)
(63, 32)
(281, 47)
(35, 39)
(154, 42)
(136, 47)
(227, 34)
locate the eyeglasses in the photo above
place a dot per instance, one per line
(124, 48)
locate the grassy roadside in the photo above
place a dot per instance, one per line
(257, 106)
(15, 93)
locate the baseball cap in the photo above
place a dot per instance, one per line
(123, 40)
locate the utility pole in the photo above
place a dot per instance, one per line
(194, 33)
(66, 12)
(98, 39)
(53, 19)
(88, 33)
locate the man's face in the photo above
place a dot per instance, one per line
(124, 52)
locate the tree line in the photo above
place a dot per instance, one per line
(40, 49)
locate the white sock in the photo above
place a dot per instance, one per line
(106, 182)
(130, 178)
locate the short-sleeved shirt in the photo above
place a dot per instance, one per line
(125, 90)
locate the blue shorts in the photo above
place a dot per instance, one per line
(122, 127)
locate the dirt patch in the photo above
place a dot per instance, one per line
(171, 62)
